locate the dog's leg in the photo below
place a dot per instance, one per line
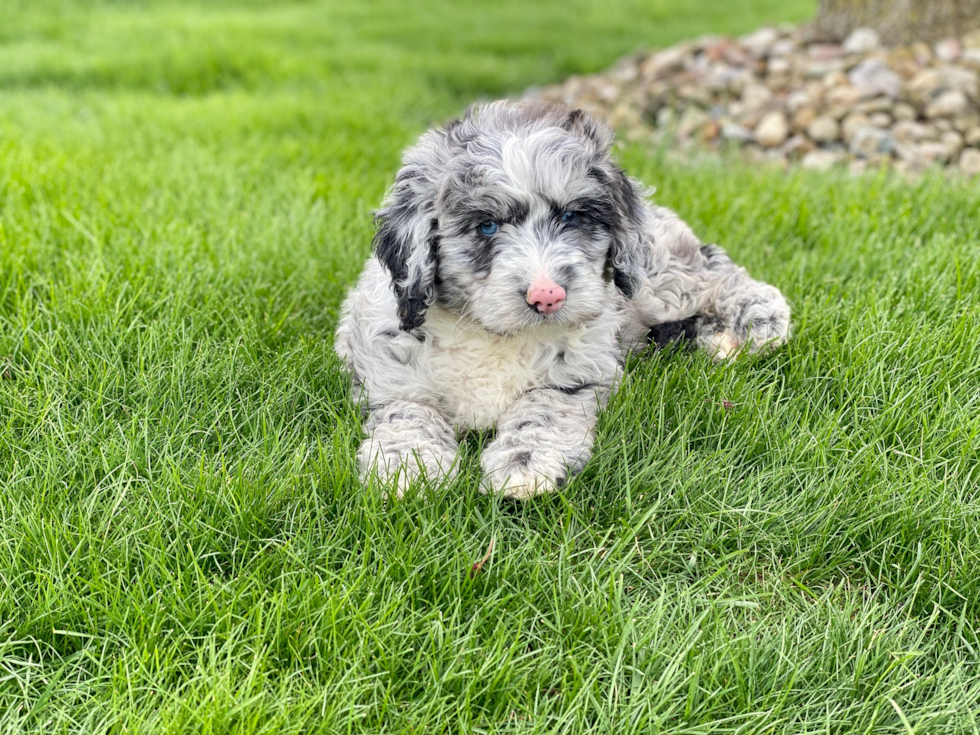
(696, 290)
(544, 437)
(740, 313)
(406, 441)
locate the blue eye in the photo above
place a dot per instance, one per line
(489, 228)
(570, 219)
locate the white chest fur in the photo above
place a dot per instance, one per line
(480, 374)
(470, 375)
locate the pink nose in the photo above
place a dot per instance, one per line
(545, 295)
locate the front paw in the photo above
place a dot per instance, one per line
(399, 471)
(522, 473)
(517, 484)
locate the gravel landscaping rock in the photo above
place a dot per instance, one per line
(783, 94)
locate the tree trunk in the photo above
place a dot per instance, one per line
(900, 21)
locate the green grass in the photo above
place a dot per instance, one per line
(783, 545)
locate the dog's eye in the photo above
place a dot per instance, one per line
(571, 219)
(488, 228)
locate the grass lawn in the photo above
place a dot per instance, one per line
(784, 545)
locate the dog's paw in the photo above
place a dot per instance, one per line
(759, 326)
(400, 473)
(721, 346)
(522, 473)
(519, 485)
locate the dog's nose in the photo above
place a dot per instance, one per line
(545, 295)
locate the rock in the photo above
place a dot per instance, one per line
(971, 40)
(880, 119)
(797, 100)
(796, 147)
(625, 71)
(737, 133)
(824, 130)
(948, 50)
(953, 142)
(843, 95)
(754, 153)
(625, 117)
(873, 77)
(756, 100)
(739, 80)
(901, 60)
(653, 97)
(964, 123)
(772, 130)
(834, 79)
(665, 62)
(778, 73)
(948, 104)
(870, 142)
(756, 96)
(717, 49)
(971, 58)
(861, 41)
(957, 78)
(814, 92)
(877, 104)
(692, 120)
(904, 111)
(925, 84)
(920, 156)
(666, 117)
(820, 69)
(784, 47)
(921, 53)
(970, 162)
(718, 79)
(822, 159)
(908, 131)
(852, 123)
(803, 118)
(825, 51)
(606, 91)
(758, 42)
(972, 136)
(695, 93)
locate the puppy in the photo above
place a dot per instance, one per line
(515, 266)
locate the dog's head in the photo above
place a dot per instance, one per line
(514, 215)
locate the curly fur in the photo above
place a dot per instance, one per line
(440, 338)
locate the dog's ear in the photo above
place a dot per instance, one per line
(585, 126)
(407, 238)
(628, 256)
(629, 253)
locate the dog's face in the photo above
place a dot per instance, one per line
(515, 216)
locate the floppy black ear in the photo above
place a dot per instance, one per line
(407, 239)
(629, 254)
(630, 251)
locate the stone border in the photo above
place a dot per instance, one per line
(783, 94)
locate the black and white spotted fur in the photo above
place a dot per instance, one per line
(440, 337)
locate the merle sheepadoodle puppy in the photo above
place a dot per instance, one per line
(515, 267)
